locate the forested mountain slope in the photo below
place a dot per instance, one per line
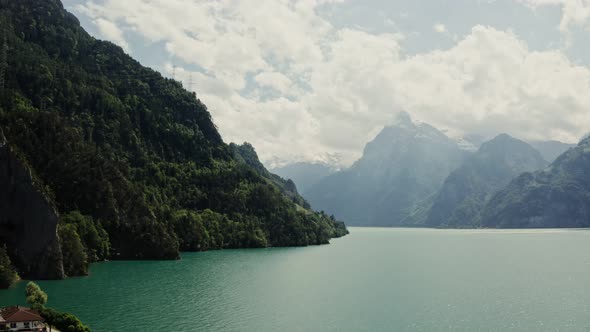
(131, 161)
(467, 189)
(558, 196)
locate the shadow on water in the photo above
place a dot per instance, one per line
(371, 280)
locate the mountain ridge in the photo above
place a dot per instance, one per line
(467, 189)
(556, 197)
(131, 160)
(403, 165)
(304, 174)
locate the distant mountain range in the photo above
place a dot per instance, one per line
(467, 189)
(557, 196)
(412, 174)
(550, 150)
(403, 166)
(304, 174)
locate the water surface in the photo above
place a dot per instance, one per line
(371, 280)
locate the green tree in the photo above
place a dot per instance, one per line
(94, 238)
(74, 256)
(192, 234)
(65, 322)
(36, 297)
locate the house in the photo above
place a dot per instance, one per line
(21, 319)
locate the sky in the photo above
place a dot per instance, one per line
(315, 80)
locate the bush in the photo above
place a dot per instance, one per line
(63, 321)
(94, 238)
(36, 297)
(74, 256)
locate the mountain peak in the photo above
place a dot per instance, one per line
(403, 166)
(555, 197)
(466, 190)
(501, 140)
(403, 119)
(514, 149)
(503, 137)
(504, 143)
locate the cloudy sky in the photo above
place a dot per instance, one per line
(315, 80)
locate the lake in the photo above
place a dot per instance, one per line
(372, 280)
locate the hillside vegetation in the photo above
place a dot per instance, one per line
(132, 161)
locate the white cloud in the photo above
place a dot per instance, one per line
(335, 88)
(440, 28)
(277, 81)
(111, 31)
(491, 82)
(574, 12)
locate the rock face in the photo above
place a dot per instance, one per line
(556, 197)
(466, 191)
(400, 169)
(28, 221)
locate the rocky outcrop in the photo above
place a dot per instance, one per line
(28, 220)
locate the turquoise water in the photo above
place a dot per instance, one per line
(371, 280)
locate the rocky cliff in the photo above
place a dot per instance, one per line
(28, 220)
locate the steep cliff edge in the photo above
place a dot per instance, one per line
(28, 222)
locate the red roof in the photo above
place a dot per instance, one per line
(19, 314)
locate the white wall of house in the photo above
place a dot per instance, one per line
(23, 325)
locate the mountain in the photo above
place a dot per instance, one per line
(476, 139)
(558, 196)
(467, 189)
(28, 219)
(245, 153)
(304, 174)
(402, 167)
(550, 150)
(122, 162)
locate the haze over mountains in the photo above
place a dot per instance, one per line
(412, 174)
(550, 150)
(304, 174)
(404, 165)
(557, 196)
(467, 189)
